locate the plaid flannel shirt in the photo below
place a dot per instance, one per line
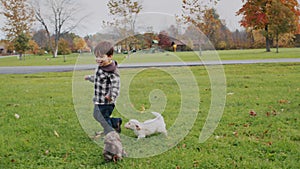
(105, 84)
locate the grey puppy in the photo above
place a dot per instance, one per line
(113, 149)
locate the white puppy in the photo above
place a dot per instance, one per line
(148, 127)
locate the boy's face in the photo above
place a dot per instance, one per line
(103, 60)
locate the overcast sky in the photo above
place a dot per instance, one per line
(155, 12)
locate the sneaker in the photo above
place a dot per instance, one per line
(116, 124)
(118, 127)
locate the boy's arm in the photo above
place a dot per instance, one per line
(115, 86)
(90, 78)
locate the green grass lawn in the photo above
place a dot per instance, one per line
(48, 133)
(156, 57)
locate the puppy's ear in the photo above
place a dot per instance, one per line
(137, 127)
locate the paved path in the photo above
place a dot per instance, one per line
(39, 69)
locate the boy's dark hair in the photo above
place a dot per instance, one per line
(104, 48)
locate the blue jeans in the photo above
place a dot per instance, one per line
(102, 114)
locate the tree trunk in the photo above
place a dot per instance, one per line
(20, 56)
(200, 50)
(277, 39)
(267, 39)
(55, 48)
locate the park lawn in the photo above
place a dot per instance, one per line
(48, 135)
(140, 56)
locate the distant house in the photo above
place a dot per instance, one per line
(180, 46)
(3, 49)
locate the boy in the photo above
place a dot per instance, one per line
(106, 87)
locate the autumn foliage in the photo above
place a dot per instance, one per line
(19, 17)
(272, 17)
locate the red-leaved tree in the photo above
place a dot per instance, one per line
(256, 15)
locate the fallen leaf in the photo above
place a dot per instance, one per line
(269, 143)
(196, 163)
(12, 105)
(252, 113)
(282, 101)
(142, 109)
(274, 113)
(17, 116)
(246, 125)
(65, 156)
(56, 134)
(217, 137)
(235, 133)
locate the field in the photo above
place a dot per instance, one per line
(156, 57)
(41, 128)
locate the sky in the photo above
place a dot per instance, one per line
(157, 13)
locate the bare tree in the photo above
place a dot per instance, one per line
(57, 17)
(124, 14)
(201, 15)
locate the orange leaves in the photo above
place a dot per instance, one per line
(261, 18)
(19, 17)
(259, 13)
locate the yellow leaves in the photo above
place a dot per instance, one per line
(79, 43)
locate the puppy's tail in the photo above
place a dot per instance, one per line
(156, 114)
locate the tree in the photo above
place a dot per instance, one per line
(201, 16)
(40, 37)
(63, 48)
(125, 13)
(61, 18)
(21, 44)
(283, 24)
(79, 44)
(173, 31)
(19, 17)
(33, 47)
(211, 25)
(69, 37)
(256, 15)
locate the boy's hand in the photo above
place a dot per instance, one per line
(108, 98)
(87, 77)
